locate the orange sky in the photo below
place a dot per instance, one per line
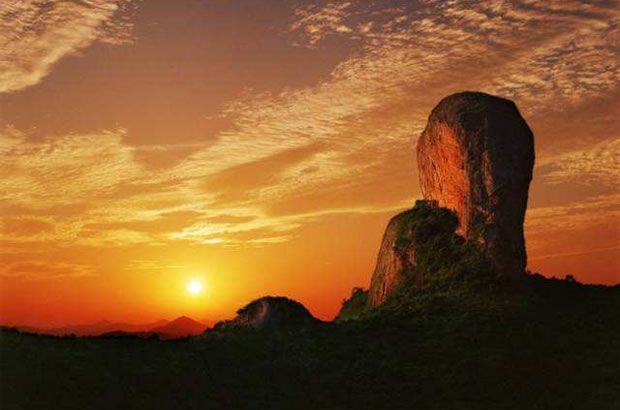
(261, 146)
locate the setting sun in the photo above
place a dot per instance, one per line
(194, 287)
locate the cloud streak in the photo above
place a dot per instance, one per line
(35, 35)
(527, 50)
(63, 170)
(596, 165)
(39, 270)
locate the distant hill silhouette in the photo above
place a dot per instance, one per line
(165, 329)
(96, 329)
(270, 313)
(180, 327)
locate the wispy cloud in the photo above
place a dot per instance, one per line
(580, 229)
(149, 265)
(264, 229)
(35, 35)
(37, 270)
(119, 202)
(575, 253)
(65, 170)
(318, 22)
(598, 164)
(528, 50)
(604, 209)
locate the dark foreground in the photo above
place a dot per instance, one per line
(548, 345)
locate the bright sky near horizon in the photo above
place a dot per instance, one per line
(260, 147)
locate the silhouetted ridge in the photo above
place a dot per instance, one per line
(272, 313)
(180, 327)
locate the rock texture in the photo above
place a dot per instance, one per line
(476, 157)
(270, 313)
(395, 260)
(353, 307)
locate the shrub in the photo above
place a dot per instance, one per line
(439, 251)
(353, 307)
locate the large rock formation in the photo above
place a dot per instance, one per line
(396, 259)
(270, 313)
(476, 157)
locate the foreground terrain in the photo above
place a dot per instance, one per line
(544, 344)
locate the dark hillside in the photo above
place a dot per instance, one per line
(550, 345)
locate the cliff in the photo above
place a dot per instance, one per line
(475, 160)
(476, 157)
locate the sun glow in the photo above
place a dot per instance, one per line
(194, 287)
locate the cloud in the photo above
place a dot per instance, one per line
(149, 265)
(599, 210)
(26, 226)
(260, 242)
(531, 51)
(264, 229)
(63, 170)
(244, 178)
(316, 24)
(579, 228)
(575, 253)
(596, 165)
(36, 270)
(35, 35)
(56, 189)
(114, 237)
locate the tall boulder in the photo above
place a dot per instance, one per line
(476, 157)
(475, 161)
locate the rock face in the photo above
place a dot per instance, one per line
(270, 313)
(476, 157)
(396, 259)
(353, 307)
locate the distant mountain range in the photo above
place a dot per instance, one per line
(165, 329)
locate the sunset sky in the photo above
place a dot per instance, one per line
(261, 146)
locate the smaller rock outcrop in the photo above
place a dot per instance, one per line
(270, 313)
(417, 243)
(353, 307)
(395, 260)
